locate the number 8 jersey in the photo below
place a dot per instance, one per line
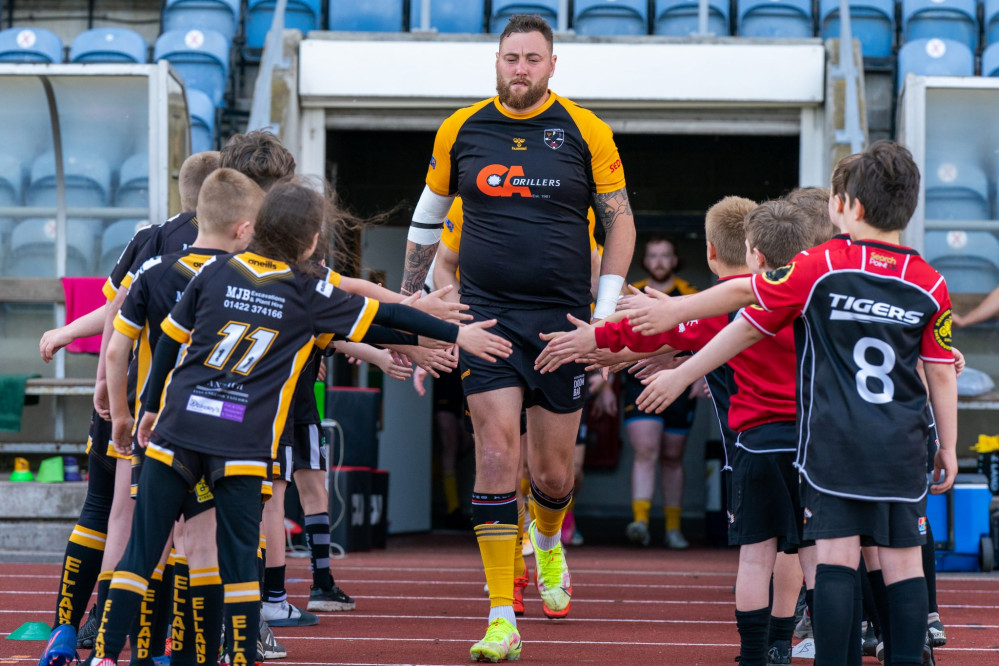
(249, 324)
(869, 312)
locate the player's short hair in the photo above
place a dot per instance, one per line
(724, 228)
(836, 180)
(227, 197)
(289, 218)
(259, 155)
(779, 230)
(885, 179)
(192, 175)
(529, 23)
(814, 203)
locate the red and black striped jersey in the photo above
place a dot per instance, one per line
(869, 312)
(250, 323)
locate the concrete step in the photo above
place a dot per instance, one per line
(36, 519)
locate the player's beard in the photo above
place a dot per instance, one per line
(521, 101)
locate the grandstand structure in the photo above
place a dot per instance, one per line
(749, 97)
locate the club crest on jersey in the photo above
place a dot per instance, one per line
(554, 138)
(518, 144)
(941, 330)
(433, 162)
(778, 275)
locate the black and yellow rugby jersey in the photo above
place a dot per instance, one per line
(155, 291)
(526, 181)
(122, 274)
(680, 287)
(249, 323)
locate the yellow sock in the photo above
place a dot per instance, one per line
(518, 549)
(548, 522)
(640, 508)
(450, 482)
(673, 517)
(525, 487)
(496, 545)
(532, 507)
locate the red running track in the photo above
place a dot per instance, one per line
(421, 602)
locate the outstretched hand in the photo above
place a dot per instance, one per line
(661, 389)
(434, 304)
(655, 315)
(566, 346)
(475, 339)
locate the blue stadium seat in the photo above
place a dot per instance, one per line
(109, 45)
(201, 57)
(449, 15)
(221, 16)
(88, 181)
(370, 16)
(991, 21)
(504, 9)
(776, 18)
(133, 183)
(871, 21)
(202, 115)
(611, 17)
(956, 20)
(11, 180)
(32, 247)
(298, 14)
(679, 18)
(30, 45)
(956, 189)
(113, 241)
(935, 57)
(990, 60)
(967, 260)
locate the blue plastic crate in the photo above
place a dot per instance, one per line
(962, 541)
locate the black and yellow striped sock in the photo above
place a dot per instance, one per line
(163, 610)
(122, 606)
(140, 636)
(206, 614)
(242, 617)
(181, 628)
(495, 517)
(81, 566)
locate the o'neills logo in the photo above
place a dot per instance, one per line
(497, 180)
(883, 261)
(261, 264)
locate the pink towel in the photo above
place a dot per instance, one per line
(83, 295)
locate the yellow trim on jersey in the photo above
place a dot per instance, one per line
(207, 576)
(255, 468)
(364, 320)
(451, 235)
(88, 538)
(144, 352)
(530, 114)
(239, 592)
(124, 580)
(113, 453)
(333, 277)
(261, 266)
(324, 340)
(439, 170)
(126, 327)
(176, 332)
(287, 393)
(126, 281)
(266, 490)
(591, 217)
(109, 290)
(160, 454)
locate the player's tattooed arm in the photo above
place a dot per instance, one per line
(418, 260)
(611, 207)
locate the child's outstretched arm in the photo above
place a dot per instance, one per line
(665, 386)
(55, 339)
(665, 313)
(566, 346)
(941, 380)
(382, 358)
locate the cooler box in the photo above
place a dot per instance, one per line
(378, 516)
(356, 410)
(350, 501)
(960, 522)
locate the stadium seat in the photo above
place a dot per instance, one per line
(370, 16)
(113, 241)
(449, 15)
(201, 57)
(32, 247)
(611, 17)
(133, 183)
(871, 21)
(298, 14)
(221, 16)
(504, 9)
(680, 18)
(935, 57)
(775, 18)
(88, 181)
(966, 259)
(991, 24)
(202, 115)
(30, 45)
(956, 20)
(109, 45)
(955, 190)
(990, 60)
(11, 180)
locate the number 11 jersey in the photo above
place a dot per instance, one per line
(870, 311)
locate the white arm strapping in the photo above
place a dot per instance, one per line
(608, 291)
(428, 218)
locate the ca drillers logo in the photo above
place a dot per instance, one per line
(498, 180)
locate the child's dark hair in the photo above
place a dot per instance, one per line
(289, 218)
(779, 230)
(529, 23)
(885, 180)
(814, 203)
(259, 155)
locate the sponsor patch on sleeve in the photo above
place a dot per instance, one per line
(779, 275)
(941, 330)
